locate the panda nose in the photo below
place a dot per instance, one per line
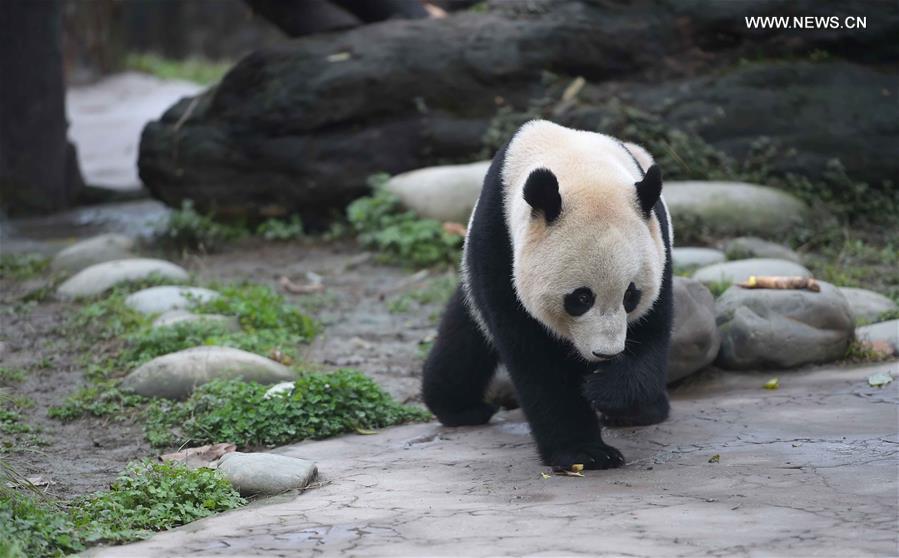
(604, 356)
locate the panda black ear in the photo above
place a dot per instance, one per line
(649, 189)
(541, 191)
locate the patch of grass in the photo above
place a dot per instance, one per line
(280, 229)
(259, 307)
(151, 497)
(9, 376)
(123, 339)
(321, 405)
(22, 266)
(186, 229)
(100, 399)
(12, 422)
(858, 353)
(146, 497)
(858, 262)
(438, 290)
(718, 287)
(196, 69)
(32, 527)
(399, 236)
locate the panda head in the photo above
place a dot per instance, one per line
(588, 252)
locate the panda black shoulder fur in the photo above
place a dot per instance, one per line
(566, 281)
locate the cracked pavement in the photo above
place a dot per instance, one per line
(808, 469)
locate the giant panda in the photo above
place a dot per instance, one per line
(566, 282)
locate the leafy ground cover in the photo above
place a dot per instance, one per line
(321, 405)
(146, 497)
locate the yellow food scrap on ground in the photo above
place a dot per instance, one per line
(715, 458)
(544, 475)
(773, 383)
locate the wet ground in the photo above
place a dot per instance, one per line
(807, 470)
(359, 331)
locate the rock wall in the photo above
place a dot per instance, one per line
(299, 127)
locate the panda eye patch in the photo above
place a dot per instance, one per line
(579, 301)
(631, 298)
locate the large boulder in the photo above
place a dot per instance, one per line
(101, 277)
(175, 375)
(445, 193)
(739, 271)
(733, 208)
(691, 257)
(300, 126)
(774, 328)
(94, 250)
(747, 247)
(694, 336)
(886, 333)
(867, 305)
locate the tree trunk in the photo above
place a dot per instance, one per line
(38, 168)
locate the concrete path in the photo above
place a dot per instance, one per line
(809, 469)
(107, 118)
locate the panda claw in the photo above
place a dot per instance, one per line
(595, 455)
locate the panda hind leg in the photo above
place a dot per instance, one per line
(459, 368)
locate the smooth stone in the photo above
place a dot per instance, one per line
(867, 305)
(266, 473)
(175, 375)
(687, 257)
(694, 336)
(98, 249)
(282, 389)
(733, 208)
(173, 317)
(885, 332)
(445, 193)
(101, 277)
(779, 328)
(156, 300)
(740, 270)
(753, 247)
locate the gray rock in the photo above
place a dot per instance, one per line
(773, 328)
(266, 473)
(688, 257)
(445, 193)
(733, 208)
(740, 270)
(98, 249)
(753, 247)
(174, 376)
(867, 305)
(156, 300)
(885, 332)
(173, 317)
(694, 336)
(104, 276)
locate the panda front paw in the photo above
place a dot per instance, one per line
(594, 455)
(638, 415)
(473, 416)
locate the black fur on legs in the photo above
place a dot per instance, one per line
(459, 369)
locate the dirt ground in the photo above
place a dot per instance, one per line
(359, 331)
